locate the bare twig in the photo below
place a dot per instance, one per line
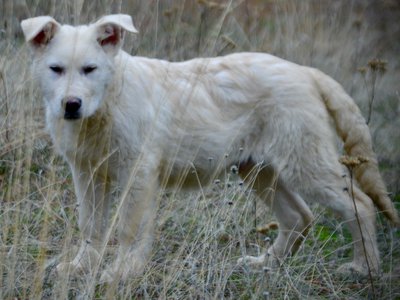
(2, 78)
(377, 67)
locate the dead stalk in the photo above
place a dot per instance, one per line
(351, 163)
(2, 78)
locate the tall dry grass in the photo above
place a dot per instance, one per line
(199, 235)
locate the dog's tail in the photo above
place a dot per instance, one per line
(352, 128)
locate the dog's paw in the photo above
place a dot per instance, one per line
(108, 276)
(264, 261)
(123, 270)
(69, 268)
(253, 261)
(86, 261)
(352, 268)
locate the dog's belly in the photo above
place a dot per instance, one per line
(194, 176)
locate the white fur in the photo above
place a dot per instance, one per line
(147, 124)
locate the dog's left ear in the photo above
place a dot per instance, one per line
(111, 31)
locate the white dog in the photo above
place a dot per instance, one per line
(147, 124)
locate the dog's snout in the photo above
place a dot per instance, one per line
(72, 106)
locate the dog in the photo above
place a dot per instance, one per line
(146, 124)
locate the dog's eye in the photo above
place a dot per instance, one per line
(57, 69)
(88, 69)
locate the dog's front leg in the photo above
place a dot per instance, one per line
(94, 195)
(137, 213)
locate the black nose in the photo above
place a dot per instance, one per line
(72, 107)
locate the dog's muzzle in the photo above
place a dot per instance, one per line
(72, 107)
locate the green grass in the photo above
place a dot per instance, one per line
(199, 238)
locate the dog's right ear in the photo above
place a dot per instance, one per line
(39, 31)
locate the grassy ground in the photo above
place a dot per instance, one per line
(200, 235)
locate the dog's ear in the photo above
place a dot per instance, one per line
(39, 31)
(111, 31)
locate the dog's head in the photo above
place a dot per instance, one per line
(75, 65)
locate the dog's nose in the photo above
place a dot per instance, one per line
(72, 107)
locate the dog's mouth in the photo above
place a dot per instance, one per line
(72, 116)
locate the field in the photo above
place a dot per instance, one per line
(200, 235)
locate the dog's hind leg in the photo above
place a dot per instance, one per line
(293, 215)
(361, 223)
(294, 218)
